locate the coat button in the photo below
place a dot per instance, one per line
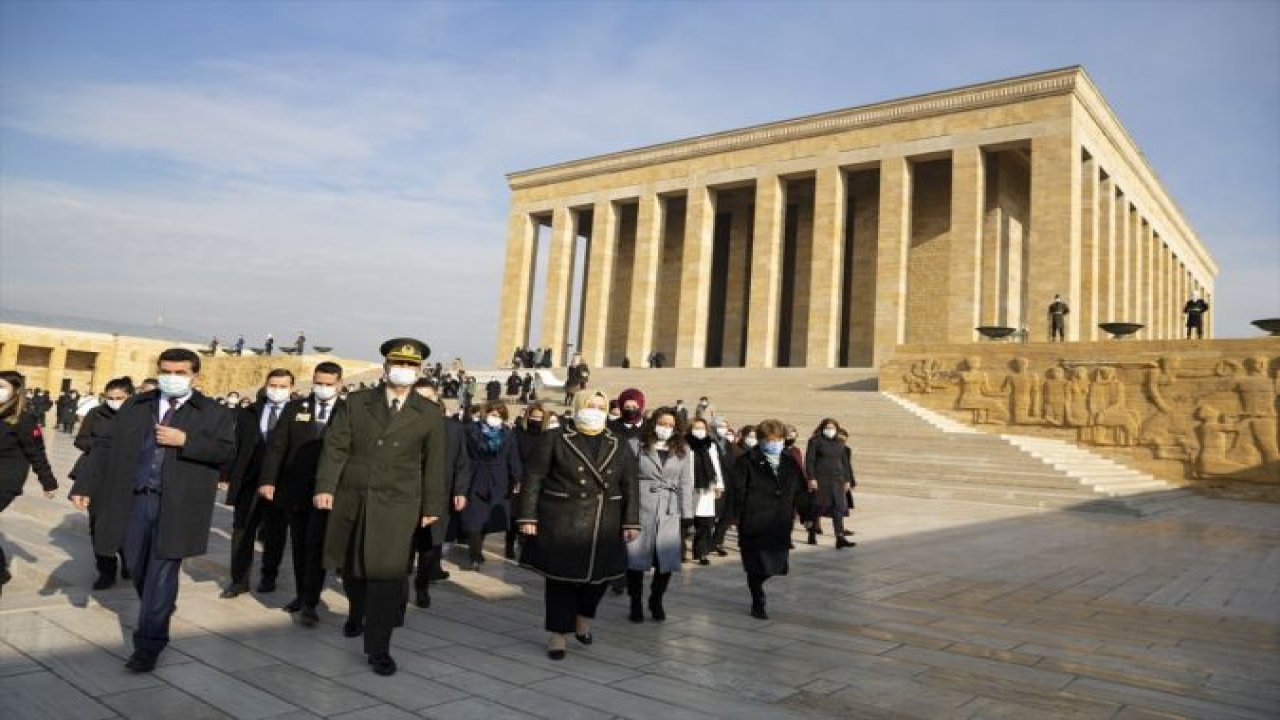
(581, 469)
(582, 482)
(584, 495)
(379, 442)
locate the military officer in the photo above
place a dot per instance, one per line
(381, 476)
(1058, 311)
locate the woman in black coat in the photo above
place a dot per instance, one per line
(95, 434)
(529, 434)
(827, 462)
(495, 469)
(21, 450)
(766, 489)
(579, 504)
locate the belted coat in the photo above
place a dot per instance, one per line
(581, 494)
(385, 472)
(666, 498)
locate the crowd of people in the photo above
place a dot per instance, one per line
(372, 483)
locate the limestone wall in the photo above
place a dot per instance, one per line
(222, 374)
(1196, 412)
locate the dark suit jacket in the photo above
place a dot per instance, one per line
(293, 455)
(189, 475)
(251, 450)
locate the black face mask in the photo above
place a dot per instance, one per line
(533, 426)
(790, 441)
(630, 414)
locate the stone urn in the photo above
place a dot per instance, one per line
(995, 332)
(1271, 325)
(322, 349)
(1120, 330)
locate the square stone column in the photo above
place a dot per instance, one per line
(1141, 273)
(893, 242)
(826, 268)
(517, 286)
(766, 273)
(1124, 258)
(555, 311)
(595, 310)
(695, 278)
(104, 368)
(1054, 246)
(9, 353)
(1108, 260)
(644, 278)
(968, 181)
(1090, 266)
(57, 368)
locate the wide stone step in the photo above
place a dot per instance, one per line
(1000, 496)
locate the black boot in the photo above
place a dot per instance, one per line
(106, 572)
(841, 543)
(635, 588)
(756, 584)
(813, 536)
(656, 590)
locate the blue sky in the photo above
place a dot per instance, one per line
(338, 167)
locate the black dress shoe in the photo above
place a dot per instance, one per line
(703, 561)
(141, 662)
(294, 606)
(584, 638)
(841, 543)
(656, 609)
(234, 590)
(308, 617)
(422, 598)
(437, 577)
(104, 581)
(383, 664)
(637, 611)
(267, 584)
(721, 551)
(555, 654)
(352, 628)
(757, 612)
(846, 533)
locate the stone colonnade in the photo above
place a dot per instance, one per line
(834, 253)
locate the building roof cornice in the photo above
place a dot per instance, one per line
(1000, 92)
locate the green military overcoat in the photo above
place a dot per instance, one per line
(385, 472)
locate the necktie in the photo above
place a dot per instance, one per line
(272, 417)
(168, 414)
(395, 405)
(324, 412)
(158, 458)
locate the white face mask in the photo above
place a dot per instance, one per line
(750, 441)
(278, 395)
(698, 433)
(662, 432)
(590, 419)
(829, 432)
(325, 392)
(233, 399)
(553, 425)
(721, 431)
(115, 404)
(493, 421)
(402, 376)
(174, 386)
(6, 394)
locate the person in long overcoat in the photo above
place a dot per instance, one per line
(827, 464)
(495, 468)
(579, 504)
(381, 474)
(665, 479)
(21, 450)
(95, 434)
(155, 491)
(767, 488)
(428, 542)
(529, 434)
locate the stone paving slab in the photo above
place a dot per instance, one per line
(944, 610)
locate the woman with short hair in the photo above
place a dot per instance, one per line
(495, 469)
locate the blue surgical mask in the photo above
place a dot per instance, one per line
(174, 386)
(772, 447)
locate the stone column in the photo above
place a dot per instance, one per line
(826, 268)
(695, 278)
(1134, 223)
(766, 273)
(1054, 247)
(1144, 276)
(104, 367)
(644, 278)
(965, 250)
(1162, 289)
(738, 283)
(517, 285)
(9, 354)
(1107, 265)
(1089, 248)
(57, 367)
(555, 311)
(1124, 253)
(892, 244)
(595, 310)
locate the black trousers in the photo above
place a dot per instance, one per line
(106, 564)
(306, 540)
(1057, 327)
(722, 522)
(155, 578)
(567, 600)
(256, 515)
(380, 605)
(429, 554)
(703, 531)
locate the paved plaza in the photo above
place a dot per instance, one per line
(944, 610)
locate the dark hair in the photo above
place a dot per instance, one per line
(180, 355)
(120, 383)
(770, 428)
(676, 443)
(150, 381)
(539, 407)
(280, 372)
(744, 432)
(329, 368)
(825, 422)
(17, 404)
(498, 407)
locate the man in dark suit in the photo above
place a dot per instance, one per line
(289, 482)
(428, 542)
(255, 426)
(156, 491)
(382, 475)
